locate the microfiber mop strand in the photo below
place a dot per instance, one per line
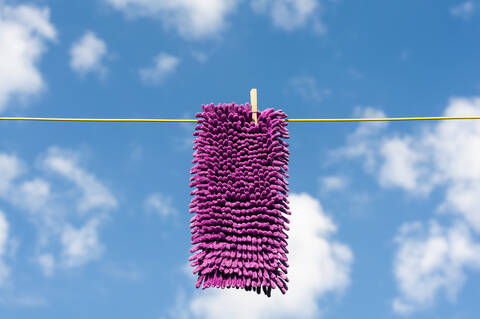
(240, 200)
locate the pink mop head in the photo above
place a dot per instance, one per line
(240, 200)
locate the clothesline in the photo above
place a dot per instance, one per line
(385, 119)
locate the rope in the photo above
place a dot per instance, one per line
(391, 119)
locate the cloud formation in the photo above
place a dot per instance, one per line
(160, 204)
(66, 213)
(308, 88)
(192, 19)
(464, 10)
(290, 14)
(24, 32)
(199, 19)
(87, 54)
(163, 66)
(4, 237)
(432, 260)
(443, 156)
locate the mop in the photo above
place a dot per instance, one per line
(240, 200)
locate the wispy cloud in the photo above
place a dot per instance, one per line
(333, 183)
(160, 204)
(4, 240)
(308, 88)
(190, 19)
(206, 19)
(94, 193)
(464, 10)
(62, 243)
(291, 14)
(163, 66)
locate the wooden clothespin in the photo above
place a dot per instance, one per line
(253, 100)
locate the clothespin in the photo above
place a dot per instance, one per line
(253, 100)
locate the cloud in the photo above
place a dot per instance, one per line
(24, 32)
(81, 245)
(200, 56)
(403, 166)
(4, 239)
(160, 204)
(290, 14)
(32, 194)
(67, 217)
(333, 183)
(95, 194)
(464, 10)
(163, 66)
(23, 301)
(319, 265)
(87, 54)
(192, 19)
(432, 260)
(441, 156)
(307, 88)
(199, 19)
(122, 272)
(10, 168)
(47, 264)
(363, 141)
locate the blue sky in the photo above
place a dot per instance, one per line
(94, 218)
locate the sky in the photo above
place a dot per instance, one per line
(94, 217)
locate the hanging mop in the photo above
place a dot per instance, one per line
(240, 200)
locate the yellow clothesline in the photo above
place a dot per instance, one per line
(386, 119)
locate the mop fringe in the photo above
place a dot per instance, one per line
(240, 199)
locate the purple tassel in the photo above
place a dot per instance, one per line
(238, 230)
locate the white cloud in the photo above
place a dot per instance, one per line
(464, 10)
(192, 19)
(444, 156)
(160, 204)
(50, 207)
(32, 194)
(95, 194)
(47, 264)
(318, 265)
(87, 54)
(430, 262)
(81, 245)
(290, 14)
(333, 183)
(197, 19)
(24, 32)
(363, 142)
(10, 168)
(163, 66)
(307, 88)
(201, 57)
(4, 238)
(403, 166)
